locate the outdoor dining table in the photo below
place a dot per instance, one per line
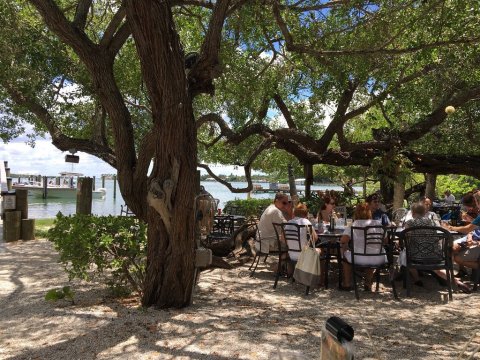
(444, 208)
(329, 241)
(238, 220)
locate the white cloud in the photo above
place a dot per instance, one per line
(46, 159)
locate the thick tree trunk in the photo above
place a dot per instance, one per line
(386, 190)
(170, 256)
(398, 194)
(430, 185)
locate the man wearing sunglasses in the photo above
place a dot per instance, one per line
(278, 212)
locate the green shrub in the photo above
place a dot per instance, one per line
(58, 294)
(314, 203)
(249, 207)
(114, 246)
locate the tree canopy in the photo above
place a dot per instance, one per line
(233, 81)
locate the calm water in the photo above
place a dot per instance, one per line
(48, 208)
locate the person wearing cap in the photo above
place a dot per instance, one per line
(373, 202)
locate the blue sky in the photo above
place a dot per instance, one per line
(46, 159)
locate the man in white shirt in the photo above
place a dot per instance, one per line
(280, 211)
(449, 198)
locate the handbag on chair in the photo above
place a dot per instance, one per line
(307, 270)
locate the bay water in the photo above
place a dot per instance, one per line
(110, 205)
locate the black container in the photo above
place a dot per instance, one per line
(339, 329)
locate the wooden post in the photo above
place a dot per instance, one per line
(84, 196)
(93, 183)
(45, 184)
(103, 181)
(9, 183)
(114, 186)
(21, 202)
(28, 229)
(12, 225)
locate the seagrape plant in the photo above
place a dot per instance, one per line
(111, 246)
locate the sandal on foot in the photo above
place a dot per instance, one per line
(464, 288)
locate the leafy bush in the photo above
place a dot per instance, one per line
(314, 202)
(58, 294)
(459, 185)
(109, 245)
(249, 207)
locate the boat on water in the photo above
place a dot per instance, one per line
(63, 186)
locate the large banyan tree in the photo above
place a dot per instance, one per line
(141, 82)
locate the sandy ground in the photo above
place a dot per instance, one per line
(233, 316)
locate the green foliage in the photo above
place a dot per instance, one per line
(314, 203)
(457, 184)
(109, 245)
(249, 207)
(58, 294)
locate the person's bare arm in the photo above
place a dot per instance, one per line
(462, 229)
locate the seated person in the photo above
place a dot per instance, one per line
(469, 254)
(373, 202)
(300, 218)
(363, 218)
(327, 209)
(449, 197)
(427, 202)
(471, 203)
(278, 212)
(419, 219)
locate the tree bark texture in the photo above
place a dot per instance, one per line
(308, 172)
(398, 194)
(171, 242)
(431, 183)
(84, 196)
(386, 190)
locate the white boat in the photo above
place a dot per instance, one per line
(63, 186)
